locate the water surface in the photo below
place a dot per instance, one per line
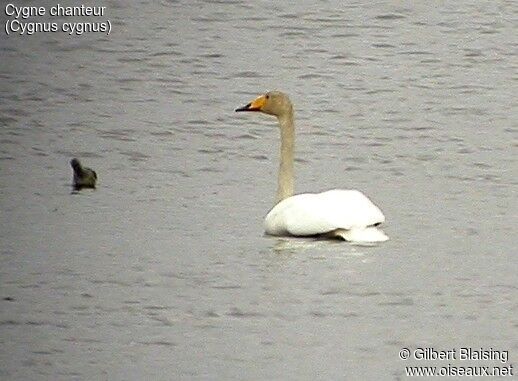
(163, 272)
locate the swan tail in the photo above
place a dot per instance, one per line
(369, 234)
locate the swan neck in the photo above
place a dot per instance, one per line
(286, 171)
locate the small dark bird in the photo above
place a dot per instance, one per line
(83, 177)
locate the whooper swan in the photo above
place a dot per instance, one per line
(338, 213)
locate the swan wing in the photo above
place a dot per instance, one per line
(317, 213)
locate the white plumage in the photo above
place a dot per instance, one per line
(335, 211)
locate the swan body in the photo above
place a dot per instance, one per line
(338, 213)
(310, 214)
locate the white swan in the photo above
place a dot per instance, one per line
(345, 214)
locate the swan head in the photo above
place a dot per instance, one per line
(272, 103)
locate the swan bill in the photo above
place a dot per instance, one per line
(256, 105)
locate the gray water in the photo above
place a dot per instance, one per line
(163, 272)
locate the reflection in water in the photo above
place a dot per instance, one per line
(322, 248)
(294, 245)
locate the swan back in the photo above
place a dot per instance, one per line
(311, 214)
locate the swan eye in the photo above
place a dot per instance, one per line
(267, 96)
